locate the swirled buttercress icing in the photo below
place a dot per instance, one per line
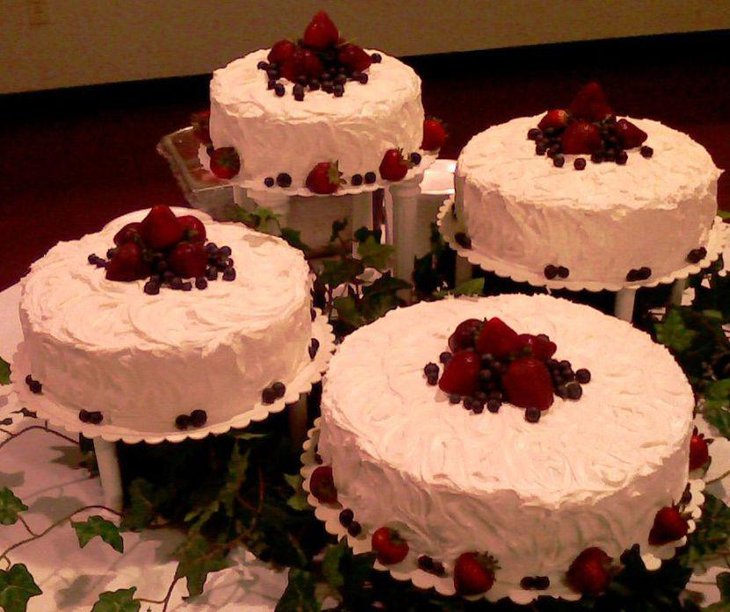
(592, 473)
(142, 360)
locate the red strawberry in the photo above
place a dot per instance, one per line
(281, 51)
(540, 346)
(293, 66)
(193, 228)
(311, 65)
(669, 526)
(555, 118)
(189, 259)
(474, 573)
(201, 122)
(590, 96)
(434, 134)
(354, 57)
(129, 233)
(581, 137)
(321, 32)
(498, 338)
(160, 229)
(127, 264)
(527, 383)
(322, 485)
(461, 373)
(394, 166)
(699, 453)
(590, 573)
(464, 335)
(629, 135)
(389, 545)
(324, 178)
(225, 163)
(600, 111)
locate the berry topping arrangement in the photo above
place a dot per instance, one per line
(169, 251)
(587, 127)
(321, 59)
(490, 363)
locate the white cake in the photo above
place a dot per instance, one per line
(142, 360)
(274, 135)
(589, 473)
(524, 213)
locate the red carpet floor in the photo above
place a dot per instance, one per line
(73, 159)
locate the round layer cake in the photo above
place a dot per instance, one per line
(589, 473)
(601, 222)
(142, 360)
(281, 135)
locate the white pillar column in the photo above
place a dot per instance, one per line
(678, 288)
(624, 304)
(405, 225)
(111, 478)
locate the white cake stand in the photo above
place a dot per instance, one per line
(409, 570)
(625, 291)
(105, 436)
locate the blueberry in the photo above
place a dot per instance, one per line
(643, 273)
(35, 387)
(198, 418)
(151, 287)
(574, 390)
(84, 416)
(182, 421)
(532, 414)
(95, 417)
(111, 253)
(696, 255)
(561, 390)
(201, 283)
(534, 133)
(354, 529)
(550, 271)
(262, 65)
(646, 151)
(268, 396)
(279, 90)
(211, 248)
(583, 376)
(454, 398)
(298, 92)
(279, 388)
(493, 405)
(621, 158)
(176, 283)
(563, 272)
(540, 148)
(445, 357)
(211, 273)
(363, 78)
(415, 158)
(432, 379)
(356, 180)
(430, 368)
(314, 84)
(28, 379)
(283, 180)
(225, 250)
(370, 178)
(597, 157)
(338, 90)
(377, 58)
(558, 160)
(187, 286)
(271, 83)
(425, 563)
(229, 274)
(579, 163)
(477, 406)
(346, 517)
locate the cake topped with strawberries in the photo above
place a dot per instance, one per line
(448, 459)
(318, 115)
(581, 194)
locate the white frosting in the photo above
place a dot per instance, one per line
(591, 472)
(144, 359)
(599, 222)
(279, 134)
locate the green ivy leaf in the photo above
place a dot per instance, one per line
(475, 286)
(98, 526)
(347, 312)
(298, 501)
(338, 271)
(144, 500)
(299, 593)
(16, 588)
(712, 533)
(331, 565)
(294, 238)
(338, 227)
(4, 372)
(121, 600)
(235, 477)
(197, 557)
(373, 254)
(716, 409)
(673, 333)
(10, 507)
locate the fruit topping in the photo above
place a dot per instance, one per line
(281, 51)
(370, 178)
(699, 453)
(528, 384)
(188, 259)
(629, 135)
(33, 385)
(346, 517)
(160, 229)
(539, 347)
(127, 264)
(430, 565)
(354, 529)
(324, 178)
(92, 417)
(498, 339)
(639, 274)
(591, 572)
(590, 103)
(581, 137)
(696, 255)
(322, 485)
(669, 526)
(321, 32)
(389, 546)
(556, 118)
(474, 573)
(353, 57)
(394, 166)
(434, 134)
(193, 228)
(465, 335)
(461, 373)
(283, 180)
(225, 163)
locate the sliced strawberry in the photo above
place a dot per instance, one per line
(321, 32)
(465, 334)
(629, 135)
(225, 163)
(322, 485)
(498, 338)
(699, 452)
(201, 122)
(281, 51)
(581, 137)
(589, 96)
(389, 545)
(434, 134)
(127, 264)
(189, 259)
(461, 373)
(540, 346)
(311, 65)
(193, 228)
(324, 178)
(354, 57)
(555, 118)
(474, 573)
(129, 233)
(591, 572)
(160, 229)
(527, 383)
(669, 526)
(394, 166)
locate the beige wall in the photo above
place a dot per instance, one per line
(48, 44)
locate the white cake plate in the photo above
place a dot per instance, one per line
(408, 569)
(625, 292)
(104, 436)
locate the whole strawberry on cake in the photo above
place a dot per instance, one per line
(165, 320)
(318, 115)
(512, 445)
(581, 194)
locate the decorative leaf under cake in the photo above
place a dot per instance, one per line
(10, 507)
(121, 600)
(98, 526)
(4, 372)
(16, 588)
